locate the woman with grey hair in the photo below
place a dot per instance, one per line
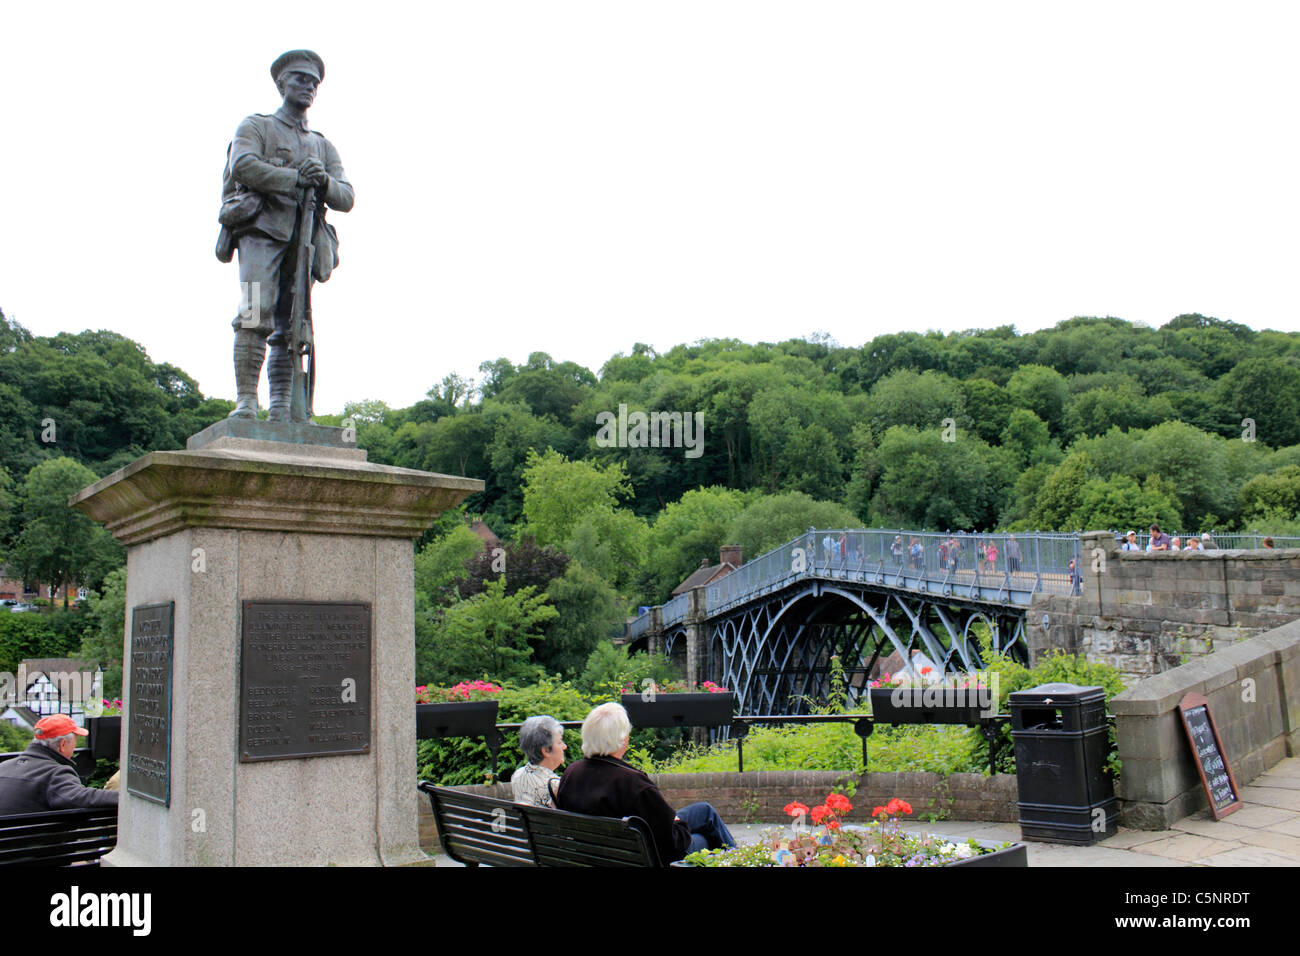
(603, 785)
(542, 741)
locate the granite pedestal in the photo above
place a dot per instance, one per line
(237, 518)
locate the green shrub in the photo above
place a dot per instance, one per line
(13, 739)
(31, 635)
(832, 746)
(1056, 668)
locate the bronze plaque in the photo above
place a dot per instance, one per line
(149, 728)
(305, 687)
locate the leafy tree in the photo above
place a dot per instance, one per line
(1278, 492)
(13, 738)
(1266, 390)
(1118, 501)
(522, 564)
(793, 447)
(1060, 496)
(610, 542)
(1192, 464)
(559, 494)
(1043, 391)
(24, 636)
(443, 560)
(1026, 436)
(588, 611)
(57, 544)
(989, 408)
(105, 644)
(491, 634)
(772, 520)
(687, 530)
(931, 483)
(922, 400)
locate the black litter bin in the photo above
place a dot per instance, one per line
(1062, 739)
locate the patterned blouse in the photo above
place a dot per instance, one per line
(531, 784)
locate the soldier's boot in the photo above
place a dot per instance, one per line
(249, 350)
(279, 371)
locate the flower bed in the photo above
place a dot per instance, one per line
(883, 842)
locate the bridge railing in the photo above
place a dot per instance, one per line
(928, 560)
(1245, 540)
(638, 626)
(931, 561)
(675, 610)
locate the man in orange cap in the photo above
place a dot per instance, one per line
(43, 777)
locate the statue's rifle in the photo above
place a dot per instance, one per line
(302, 345)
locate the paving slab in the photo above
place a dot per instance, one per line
(1271, 797)
(1250, 856)
(1126, 839)
(1224, 830)
(1186, 847)
(1272, 840)
(1261, 816)
(1098, 855)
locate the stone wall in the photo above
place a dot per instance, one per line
(1144, 613)
(1254, 691)
(759, 797)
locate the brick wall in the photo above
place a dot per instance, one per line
(759, 797)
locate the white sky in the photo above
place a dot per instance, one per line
(574, 177)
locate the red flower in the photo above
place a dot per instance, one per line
(925, 670)
(839, 803)
(819, 814)
(796, 809)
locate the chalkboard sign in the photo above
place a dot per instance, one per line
(1207, 751)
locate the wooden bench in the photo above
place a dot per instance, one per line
(475, 829)
(58, 838)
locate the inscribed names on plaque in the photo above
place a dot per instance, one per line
(149, 703)
(305, 687)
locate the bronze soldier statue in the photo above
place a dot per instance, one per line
(279, 178)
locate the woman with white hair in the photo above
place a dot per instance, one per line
(542, 741)
(602, 785)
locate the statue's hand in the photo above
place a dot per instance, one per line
(312, 172)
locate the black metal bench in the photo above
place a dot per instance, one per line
(58, 838)
(475, 829)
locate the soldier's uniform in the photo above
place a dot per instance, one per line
(262, 175)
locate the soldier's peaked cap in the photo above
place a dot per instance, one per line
(298, 61)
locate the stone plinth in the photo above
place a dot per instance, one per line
(243, 519)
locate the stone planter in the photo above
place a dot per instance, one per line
(1014, 855)
(105, 740)
(680, 710)
(917, 705)
(470, 718)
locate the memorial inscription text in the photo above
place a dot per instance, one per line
(306, 680)
(148, 747)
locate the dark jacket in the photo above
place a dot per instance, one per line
(607, 787)
(41, 780)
